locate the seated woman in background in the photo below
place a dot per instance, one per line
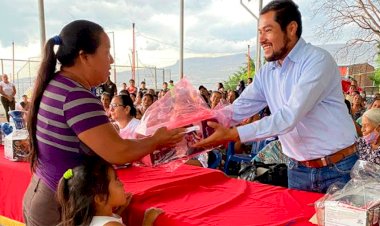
(357, 108)
(147, 101)
(106, 99)
(88, 195)
(368, 146)
(124, 112)
(232, 96)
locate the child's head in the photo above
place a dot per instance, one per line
(88, 189)
(106, 99)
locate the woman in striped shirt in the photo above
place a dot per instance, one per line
(67, 122)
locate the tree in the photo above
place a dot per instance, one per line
(239, 75)
(359, 16)
(376, 77)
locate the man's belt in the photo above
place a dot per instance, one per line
(330, 159)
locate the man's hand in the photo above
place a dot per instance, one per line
(220, 136)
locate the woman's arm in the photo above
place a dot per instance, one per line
(106, 142)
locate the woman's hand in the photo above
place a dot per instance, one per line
(168, 138)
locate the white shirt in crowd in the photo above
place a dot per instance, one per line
(7, 88)
(128, 132)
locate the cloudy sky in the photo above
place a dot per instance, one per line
(212, 27)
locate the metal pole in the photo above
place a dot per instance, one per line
(133, 54)
(18, 86)
(137, 66)
(30, 76)
(130, 62)
(2, 66)
(163, 74)
(155, 78)
(249, 62)
(181, 39)
(13, 62)
(42, 24)
(258, 50)
(114, 56)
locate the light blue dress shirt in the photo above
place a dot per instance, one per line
(307, 104)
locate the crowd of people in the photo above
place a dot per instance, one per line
(365, 112)
(8, 97)
(127, 107)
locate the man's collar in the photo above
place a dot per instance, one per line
(295, 54)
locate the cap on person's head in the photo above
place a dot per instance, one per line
(373, 115)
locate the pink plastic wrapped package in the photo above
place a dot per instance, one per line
(180, 107)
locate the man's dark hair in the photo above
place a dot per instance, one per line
(286, 11)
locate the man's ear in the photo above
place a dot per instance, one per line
(292, 28)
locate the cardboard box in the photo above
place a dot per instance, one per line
(339, 214)
(16, 146)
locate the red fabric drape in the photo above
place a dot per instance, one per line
(189, 196)
(196, 196)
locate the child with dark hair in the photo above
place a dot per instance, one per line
(89, 193)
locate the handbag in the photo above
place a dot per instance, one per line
(273, 174)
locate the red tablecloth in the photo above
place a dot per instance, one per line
(14, 179)
(197, 196)
(189, 196)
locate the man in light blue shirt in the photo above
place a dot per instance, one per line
(302, 87)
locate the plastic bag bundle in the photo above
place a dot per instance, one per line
(357, 201)
(180, 107)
